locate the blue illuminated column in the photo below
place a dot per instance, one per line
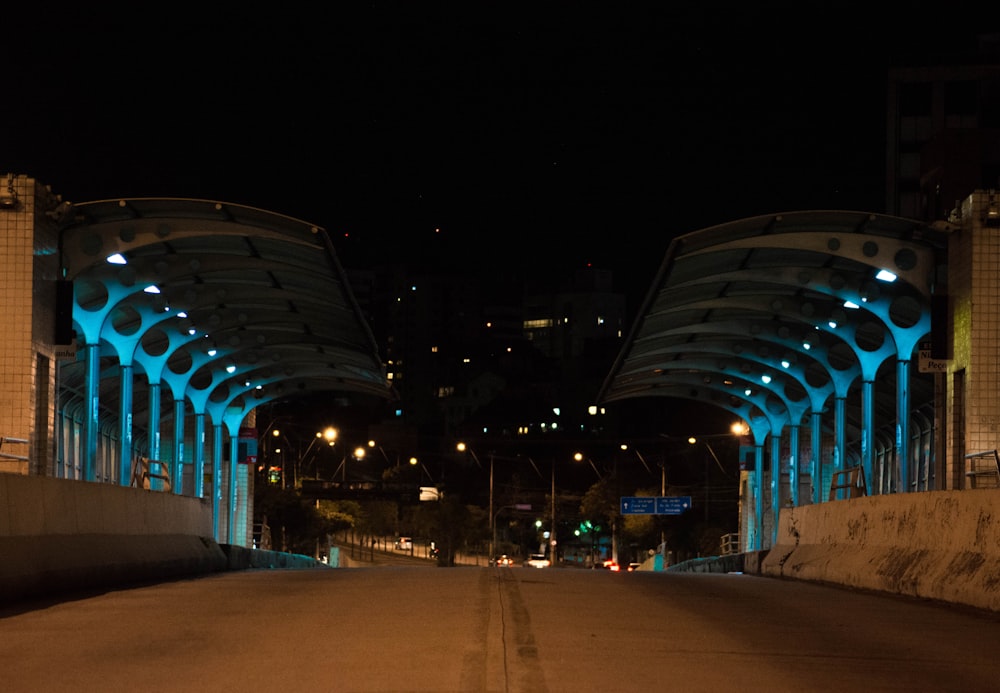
(199, 455)
(154, 434)
(178, 462)
(775, 485)
(125, 426)
(92, 356)
(840, 436)
(216, 481)
(793, 464)
(867, 433)
(816, 443)
(233, 462)
(758, 496)
(903, 424)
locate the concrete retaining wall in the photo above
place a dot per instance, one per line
(941, 545)
(59, 536)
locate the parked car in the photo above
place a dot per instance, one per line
(503, 560)
(404, 544)
(537, 560)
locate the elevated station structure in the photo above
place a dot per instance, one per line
(142, 334)
(854, 346)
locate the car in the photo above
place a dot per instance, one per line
(537, 560)
(610, 565)
(634, 566)
(404, 544)
(503, 560)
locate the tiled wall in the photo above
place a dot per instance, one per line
(28, 243)
(973, 379)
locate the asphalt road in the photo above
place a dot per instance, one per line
(494, 629)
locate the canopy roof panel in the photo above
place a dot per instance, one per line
(781, 309)
(218, 303)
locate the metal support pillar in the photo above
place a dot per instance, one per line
(867, 432)
(199, 455)
(816, 444)
(903, 426)
(125, 426)
(177, 464)
(93, 359)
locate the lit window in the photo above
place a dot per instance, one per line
(536, 324)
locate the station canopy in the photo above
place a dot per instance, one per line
(223, 306)
(776, 316)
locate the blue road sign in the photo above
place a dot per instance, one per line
(638, 505)
(654, 505)
(672, 505)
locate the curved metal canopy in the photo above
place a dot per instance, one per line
(226, 306)
(776, 316)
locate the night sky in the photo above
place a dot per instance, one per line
(541, 135)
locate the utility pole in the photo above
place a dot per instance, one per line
(552, 532)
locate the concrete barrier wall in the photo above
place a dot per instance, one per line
(59, 536)
(941, 545)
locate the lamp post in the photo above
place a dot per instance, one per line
(462, 447)
(329, 435)
(552, 533)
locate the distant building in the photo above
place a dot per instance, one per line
(459, 346)
(942, 134)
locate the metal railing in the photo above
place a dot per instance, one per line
(9, 456)
(729, 544)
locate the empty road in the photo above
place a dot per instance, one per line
(494, 629)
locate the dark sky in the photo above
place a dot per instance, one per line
(545, 134)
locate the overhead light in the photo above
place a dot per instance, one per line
(851, 304)
(885, 276)
(117, 259)
(152, 289)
